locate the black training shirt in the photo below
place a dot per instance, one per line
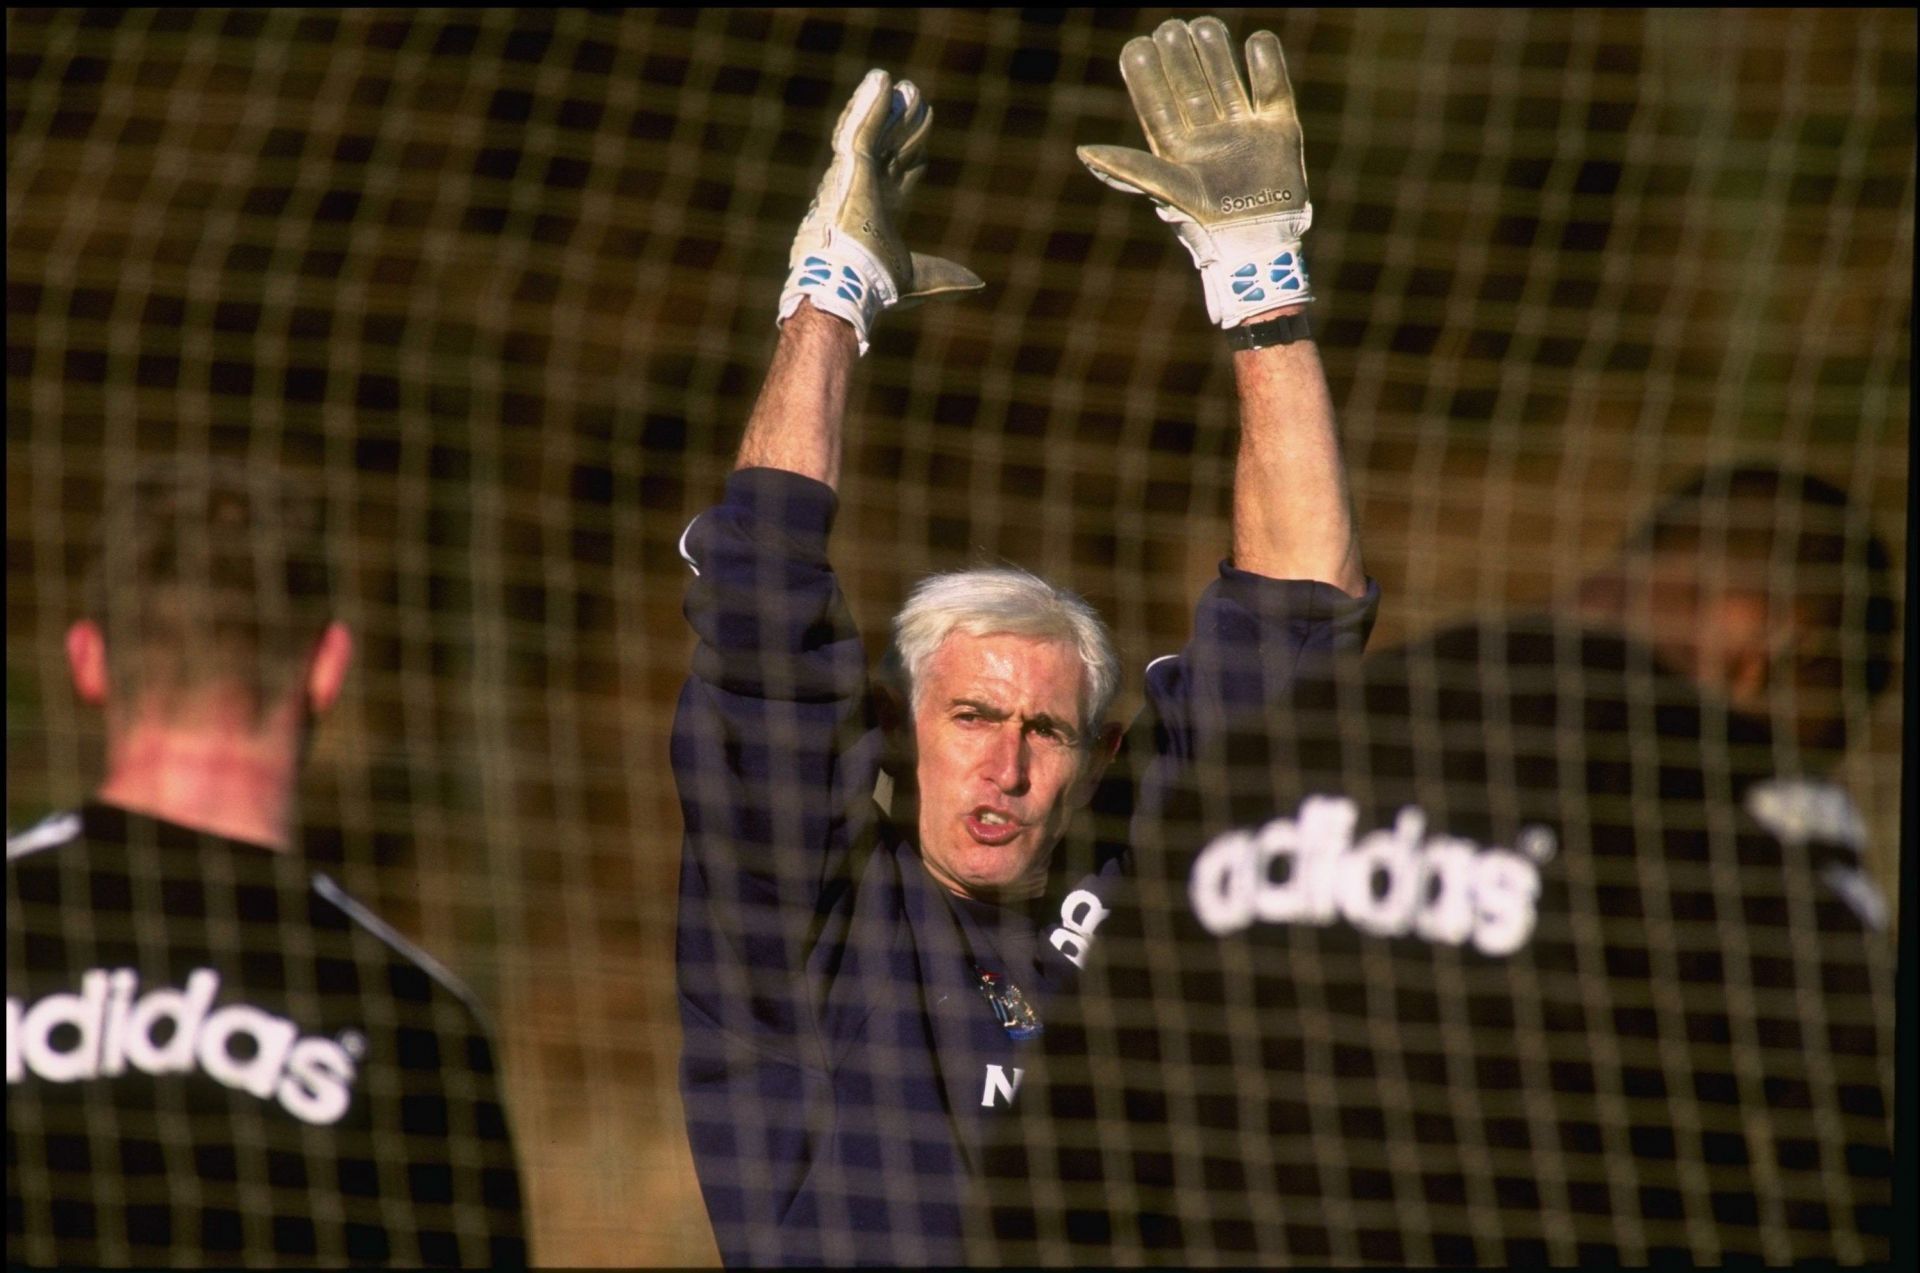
(214, 1055)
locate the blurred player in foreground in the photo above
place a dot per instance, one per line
(860, 985)
(1543, 941)
(214, 1055)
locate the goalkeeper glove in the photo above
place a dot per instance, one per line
(848, 258)
(1227, 168)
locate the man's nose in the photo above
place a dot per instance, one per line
(1006, 766)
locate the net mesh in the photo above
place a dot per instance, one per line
(500, 283)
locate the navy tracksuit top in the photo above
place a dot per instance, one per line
(840, 1055)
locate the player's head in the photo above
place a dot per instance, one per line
(1009, 680)
(1770, 588)
(210, 601)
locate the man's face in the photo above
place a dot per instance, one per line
(1001, 751)
(1779, 665)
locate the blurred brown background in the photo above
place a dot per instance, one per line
(502, 282)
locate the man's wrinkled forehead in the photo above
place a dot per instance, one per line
(1046, 669)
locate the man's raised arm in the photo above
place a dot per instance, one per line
(1292, 515)
(1228, 171)
(771, 749)
(848, 262)
(796, 423)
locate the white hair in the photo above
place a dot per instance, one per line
(1007, 600)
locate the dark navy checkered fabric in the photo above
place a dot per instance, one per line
(841, 1063)
(1509, 950)
(214, 1056)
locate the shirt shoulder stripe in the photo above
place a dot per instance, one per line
(55, 829)
(325, 886)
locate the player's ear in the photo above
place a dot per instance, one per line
(87, 661)
(1756, 638)
(897, 791)
(895, 715)
(327, 671)
(893, 707)
(1100, 755)
(1602, 594)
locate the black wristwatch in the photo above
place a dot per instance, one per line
(1281, 331)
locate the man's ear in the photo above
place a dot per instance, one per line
(896, 724)
(327, 671)
(1748, 633)
(1748, 673)
(1099, 756)
(87, 662)
(1601, 595)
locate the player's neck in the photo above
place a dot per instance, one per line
(233, 781)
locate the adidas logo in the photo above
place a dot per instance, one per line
(1389, 883)
(109, 1026)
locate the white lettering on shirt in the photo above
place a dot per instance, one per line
(1393, 882)
(110, 1026)
(1080, 915)
(999, 1086)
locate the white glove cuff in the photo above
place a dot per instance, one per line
(840, 278)
(1249, 267)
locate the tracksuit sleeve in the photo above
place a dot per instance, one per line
(769, 752)
(1254, 639)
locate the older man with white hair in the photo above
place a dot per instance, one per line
(857, 984)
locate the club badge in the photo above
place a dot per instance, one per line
(1010, 1007)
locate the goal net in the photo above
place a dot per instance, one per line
(500, 284)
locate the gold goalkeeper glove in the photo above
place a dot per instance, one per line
(1227, 168)
(848, 258)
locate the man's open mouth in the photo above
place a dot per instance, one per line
(992, 826)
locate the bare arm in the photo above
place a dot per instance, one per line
(1292, 514)
(800, 416)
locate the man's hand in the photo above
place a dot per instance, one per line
(1227, 167)
(848, 258)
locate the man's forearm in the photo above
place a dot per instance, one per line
(1292, 513)
(799, 418)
